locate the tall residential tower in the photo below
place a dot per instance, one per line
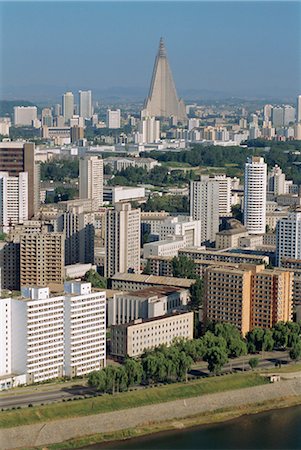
(255, 195)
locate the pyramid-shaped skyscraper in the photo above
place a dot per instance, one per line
(162, 100)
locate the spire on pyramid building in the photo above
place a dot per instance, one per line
(162, 100)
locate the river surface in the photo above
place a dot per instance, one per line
(278, 429)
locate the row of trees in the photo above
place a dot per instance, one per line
(158, 176)
(60, 169)
(168, 203)
(219, 343)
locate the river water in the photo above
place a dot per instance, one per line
(278, 429)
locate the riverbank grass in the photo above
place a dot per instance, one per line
(141, 397)
(220, 415)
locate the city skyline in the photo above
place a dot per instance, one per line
(214, 53)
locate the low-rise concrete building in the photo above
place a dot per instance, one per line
(167, 247)
(134, 338)
(147, 303)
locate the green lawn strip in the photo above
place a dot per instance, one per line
(285, 369)
(108, 403)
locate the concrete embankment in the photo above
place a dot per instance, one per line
(41, 434)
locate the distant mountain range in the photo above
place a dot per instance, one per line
(48, 94)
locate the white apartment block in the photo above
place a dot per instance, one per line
(134, 338)
(113, 119)
(204, 198)
(68, 106)
(91, 179)
(85, 329)
(85, 104)
(288, 237)
(122, 240)
(255, 195)
(167, 247)
(146, 303)
(276, 181)
(13, 199)
(149, 129)
(44, 337)
(25, 115)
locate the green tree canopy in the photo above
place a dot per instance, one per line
(95, 279)
(183, 267)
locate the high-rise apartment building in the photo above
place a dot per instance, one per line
(13, 200)
(149, 129)
(113, 118)
(16, 157)
(272, 296)
(276, 181)
(42, 260)
(288, 237)
(91, 179)
(204, 201)
(277, 116)
(70, 342)
(248, 296)
(267, 112)
(10, 265)
(122, 240)
(25, 115)
(68, 106)
(255, 195)
(79, 231)
(85, 104)
(289, 115)
(85, 329)
(47, 119)
(162, 100)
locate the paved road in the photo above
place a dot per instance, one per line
(44, 397)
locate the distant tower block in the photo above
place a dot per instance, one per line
(163, 100)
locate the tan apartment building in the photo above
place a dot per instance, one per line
(132, 339)
(248, 296)
(227, 296)
(42, 260)
(272, 295)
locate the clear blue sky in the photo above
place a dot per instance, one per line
(235, 47)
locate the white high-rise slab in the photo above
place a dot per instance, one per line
(68, 106)
(91, 179)
(162, 100)
(13, 199)
(288, 237)
(255, 195)
(85, 104)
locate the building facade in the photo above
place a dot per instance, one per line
(91, 179)
(122, 240)
(135, 338)
(255, 195)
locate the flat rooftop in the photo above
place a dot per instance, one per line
(153, 279)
